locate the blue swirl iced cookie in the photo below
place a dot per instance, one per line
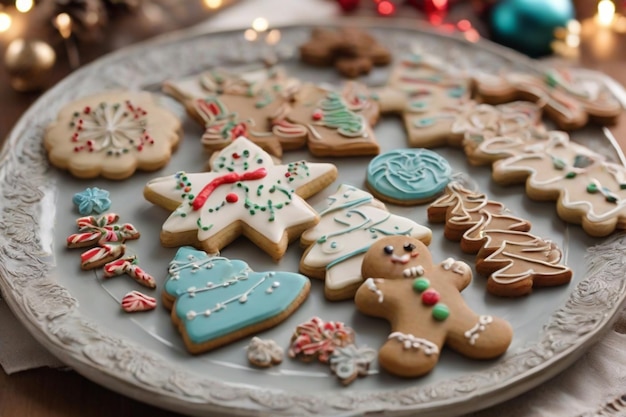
(408, 176)
(215, 300)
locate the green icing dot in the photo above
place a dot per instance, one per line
(441, 312)
(421, 284)
(592, 188)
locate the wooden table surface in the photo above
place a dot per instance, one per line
(50, 393)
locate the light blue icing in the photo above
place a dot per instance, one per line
(92, 200)
(409, 174)
(216, 296)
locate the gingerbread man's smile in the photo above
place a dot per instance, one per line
(404, 258)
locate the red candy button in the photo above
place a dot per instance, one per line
(232, 198)
(430, 297)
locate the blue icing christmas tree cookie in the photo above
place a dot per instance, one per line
(216, 300)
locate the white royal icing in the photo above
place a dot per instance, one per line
(351, 223)
(280, 207)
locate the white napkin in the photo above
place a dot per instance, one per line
(19, 351)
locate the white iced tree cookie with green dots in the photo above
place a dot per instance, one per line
(350, 224)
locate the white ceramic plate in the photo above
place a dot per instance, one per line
(77, 317)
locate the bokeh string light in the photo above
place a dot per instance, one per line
(81, 27)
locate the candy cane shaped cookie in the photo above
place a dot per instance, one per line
(100, 255)
(128, 266)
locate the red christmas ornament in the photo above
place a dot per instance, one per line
(348, 5)
(385, 8)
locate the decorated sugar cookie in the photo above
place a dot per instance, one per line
(263, 121)
(435, 103)
(588, 189)
(244, 194)
(408, 176)
(513, 259)
(353, 52)
(338, 125)
(423, 303)
(112, 134)
(252, 104)
(571, 100)
(350, 224)
(215, 300)
(219, 81)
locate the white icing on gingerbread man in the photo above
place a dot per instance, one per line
(425, 312)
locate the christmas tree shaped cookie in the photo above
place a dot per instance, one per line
(215, 300)
(511, 257)
(351, 223)
(244, 194)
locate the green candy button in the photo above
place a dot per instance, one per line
(421, 284)
(441, 312)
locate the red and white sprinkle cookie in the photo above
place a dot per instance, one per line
(135, 301)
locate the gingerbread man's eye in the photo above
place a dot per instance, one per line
(409, 247)
(388, 249)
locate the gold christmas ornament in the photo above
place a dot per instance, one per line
(29, 63)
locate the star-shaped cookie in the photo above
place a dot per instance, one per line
(244, 194)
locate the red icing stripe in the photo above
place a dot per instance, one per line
(230, 178)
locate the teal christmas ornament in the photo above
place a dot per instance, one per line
(528, 25)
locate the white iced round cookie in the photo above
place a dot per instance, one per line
(112, 134)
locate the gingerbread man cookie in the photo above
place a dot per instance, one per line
(437, 109)
(252, 104)
(352, 51)
(570, 99)
(588, 189)
(423, 303)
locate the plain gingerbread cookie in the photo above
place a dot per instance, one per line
(423, 303)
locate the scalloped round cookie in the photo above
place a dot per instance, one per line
(112, 134)
(408, 176)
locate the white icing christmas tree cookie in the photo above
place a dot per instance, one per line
(351, 223)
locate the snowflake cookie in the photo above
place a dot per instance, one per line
(112, 135)
(244, 194)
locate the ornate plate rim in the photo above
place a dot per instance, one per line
(50, 312)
